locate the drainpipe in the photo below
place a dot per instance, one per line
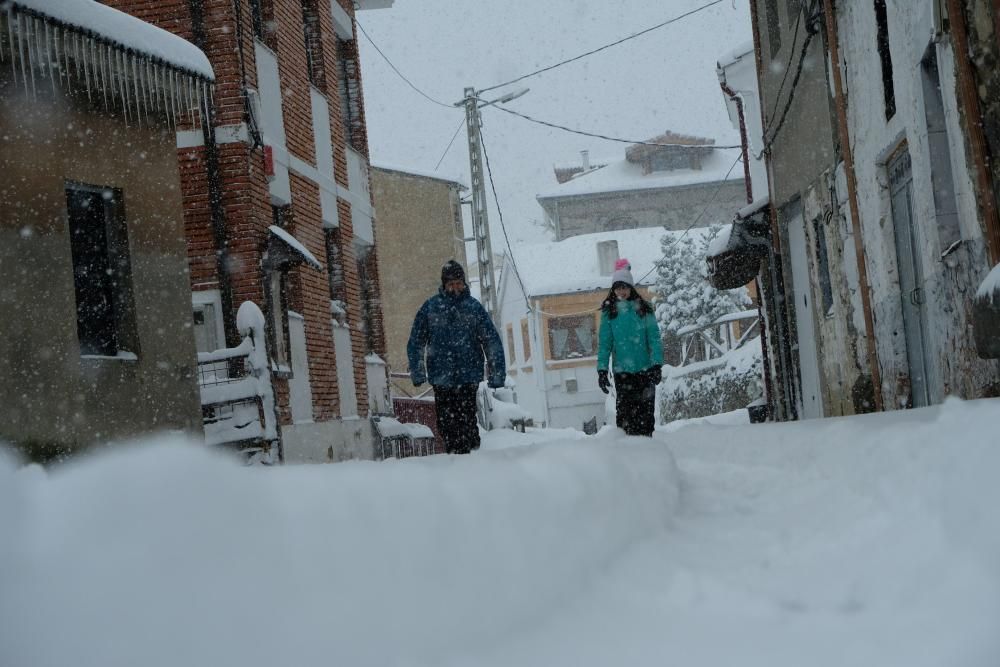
(745, 147)
(783, 362)
(973, 125)
(744, 143)
(217, 211)
(833, 45)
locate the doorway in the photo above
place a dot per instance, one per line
(911, 279)
(810, 395)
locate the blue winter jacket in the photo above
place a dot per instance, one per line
(632, 341)
(454, 331)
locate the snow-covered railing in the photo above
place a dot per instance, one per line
(399, 440)
(712, 341)
(237, 399)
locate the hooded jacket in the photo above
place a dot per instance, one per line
(634, 342)
(453, 332)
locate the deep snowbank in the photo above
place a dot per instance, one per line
(164, 554)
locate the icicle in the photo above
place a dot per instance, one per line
(99, 69)
(28, 36)
(122, 82)
(3, 23)
(22, 49)
(157, 93)
(86, 71)
(136, 87)
(13, 52)
(48, 59)
(173, 103)
(147, 91)
(108, 64)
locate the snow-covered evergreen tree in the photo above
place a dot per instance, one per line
(684, 296)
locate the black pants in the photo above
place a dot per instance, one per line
(456, 417)
(634, 402)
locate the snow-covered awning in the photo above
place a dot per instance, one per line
(84, 47)
(734, 256)
(285, 249)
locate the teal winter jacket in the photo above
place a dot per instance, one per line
(632, 341)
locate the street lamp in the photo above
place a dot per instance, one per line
(480, 219)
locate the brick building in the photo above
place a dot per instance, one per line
(277, 205)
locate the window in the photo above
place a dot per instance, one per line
(349, 92)
(773, 26)
(882, 20)
(262, 20)
(511, 358)
(526, 340)
(823, 266)
(572, 337)
(277, 305)
(102, 271)
(313, 43)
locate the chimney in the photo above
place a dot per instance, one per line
(607, 255)
(586, 160)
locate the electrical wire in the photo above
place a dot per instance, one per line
(606, 46)
(600, 136)
(788, 65)
(448, 148)
(503, 227)
(788, 103)
(396, 69)
(656, 265)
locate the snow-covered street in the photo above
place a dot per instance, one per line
(860, 541)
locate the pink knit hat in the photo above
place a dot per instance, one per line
(623, 273)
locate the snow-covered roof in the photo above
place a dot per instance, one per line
(435, 175)
(735, 54)
(623, 176)
(111, 25)
(572, 265)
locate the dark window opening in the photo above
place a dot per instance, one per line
(262, 20)
(882, 20)
(823, 266)
(572, 337)
(314, 44)
(102, 273)
(277, 307)
(281, 216)
(773, 27)
(942, 179)
(349, 91)
(369, 307)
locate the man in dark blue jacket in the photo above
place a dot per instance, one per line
(453, 331)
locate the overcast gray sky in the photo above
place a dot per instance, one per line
(664, 80)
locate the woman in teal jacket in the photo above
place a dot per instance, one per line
(630, 337)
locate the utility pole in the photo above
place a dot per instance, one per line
(480, 216)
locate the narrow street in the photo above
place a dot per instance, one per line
(857, 541)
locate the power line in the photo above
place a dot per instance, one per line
(791, 95)
(788, 65)
(396, 70)
(704, 209)
(503, 227)
(598, 136)
(448, 148)
(602, 48)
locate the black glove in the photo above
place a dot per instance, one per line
(602, 381)
(654, 374)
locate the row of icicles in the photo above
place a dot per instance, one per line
(145, 90)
